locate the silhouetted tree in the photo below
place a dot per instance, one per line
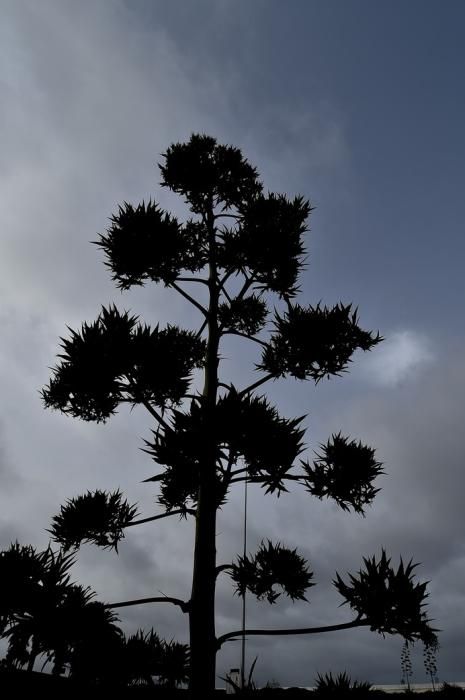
(42, 613)
(239, 246)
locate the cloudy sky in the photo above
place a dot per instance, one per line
(357, 105)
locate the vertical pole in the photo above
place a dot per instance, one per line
(243, 598)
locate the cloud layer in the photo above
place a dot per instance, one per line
(92, 94)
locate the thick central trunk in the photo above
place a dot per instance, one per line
(202, 602)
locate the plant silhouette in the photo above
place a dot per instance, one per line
(341, 685)
(44, 615)
(244, 248)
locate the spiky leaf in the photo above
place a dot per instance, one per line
(341, 685)
(174, 664)
(141, 657)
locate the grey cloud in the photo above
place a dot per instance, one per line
(92, 93)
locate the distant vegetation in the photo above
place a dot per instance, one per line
(43, 615)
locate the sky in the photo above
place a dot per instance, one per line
(359, 106)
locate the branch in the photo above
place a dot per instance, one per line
(200, 280)
(239, 471)
(155, 414)
(202, 328)
(227, 275)
(189, 298)
(244, 335)
(163, 515)
(262, 479)
(142, 601)
(249, 479)
(223, 567)
(231, 460)
(300, 630)
(247, 284)
(295, 477)
(222, 282)
(226, 294)
(238, 217)
(131, 385)
(226, 473)
(253, 386)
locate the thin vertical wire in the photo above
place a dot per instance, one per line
(243, 597)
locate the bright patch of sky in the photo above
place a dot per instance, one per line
(402, 357)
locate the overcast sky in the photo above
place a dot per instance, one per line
(358, 105)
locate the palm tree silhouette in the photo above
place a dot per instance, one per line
(43, 614)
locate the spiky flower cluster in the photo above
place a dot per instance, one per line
(272, 565)
(344, 471)
(389, 600)
(315, 342)
(268, 452)
(96, 516)
(116, 360)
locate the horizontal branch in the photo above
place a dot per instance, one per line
(258, 479)
(238, 217)
(231, 331)
(249, 479)
(189, 298)
(162, 515)
(299, 630)
(200, 280)
(239, 471)
(184, 605)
